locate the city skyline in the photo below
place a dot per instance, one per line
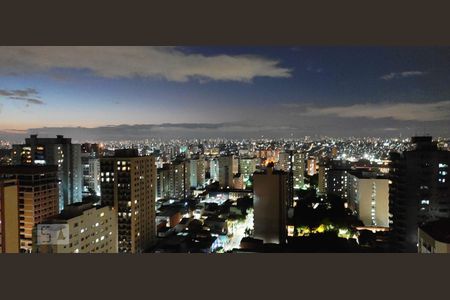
(145, 92)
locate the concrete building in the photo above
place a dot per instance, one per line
(57, 151)
(298, 169)
(37, 197)
(90, 229)
(247, 166)
(322, 184)
(179, 179)
(284, 161)
(163, 182)
(9, 216)
(197, 172)
(238, 182)
(91, 174)
(311, 166)
(226, 171)
(337, 178)
(271, 192)
(434, 237)
(214, 169)
(128, 184)
(419, 192)
(368, 196)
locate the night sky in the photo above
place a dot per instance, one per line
(226, 91)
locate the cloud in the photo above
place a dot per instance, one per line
(169, 63)
(30, 96)
(435, 111)
(163, 131)
(399, 75)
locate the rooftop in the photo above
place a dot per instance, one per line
(28, 169)
(76, 209)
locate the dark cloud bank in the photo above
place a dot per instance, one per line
(302, 126)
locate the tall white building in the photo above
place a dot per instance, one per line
(368, 196)
(214, 169)
(197, 172)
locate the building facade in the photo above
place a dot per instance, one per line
(163, 182)
(434, 237)
(337, 178)
(179, 179)
(298, 169)
(9, 216)
(311, 166)
(271, 192)
(91, 174)
(214, 169)
(247, 166)
(57, 151)
(368, 196)
(419, 191)
(128, 184)
(226, 171)
(38, 197)
(90, 229)
(197, 172)
(322, 183)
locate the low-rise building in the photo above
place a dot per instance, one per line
(434, 237)
(90, 229)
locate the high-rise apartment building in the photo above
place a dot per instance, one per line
(271, 196)
(37, 197)
(9, 216)
(311, 166)
(298, 169)
(179, 179)
(57, 151)
(368, 196)
(337, 178)
(322, 184)
(91, 174)
(419, 192)
(90, 228)
(293, 163)
(284, 161)
(214, 169)
(226, 171)
(197, 172)
(163, 182)
(247, 166)
(128, 184)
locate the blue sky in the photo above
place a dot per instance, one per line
(380, 88)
